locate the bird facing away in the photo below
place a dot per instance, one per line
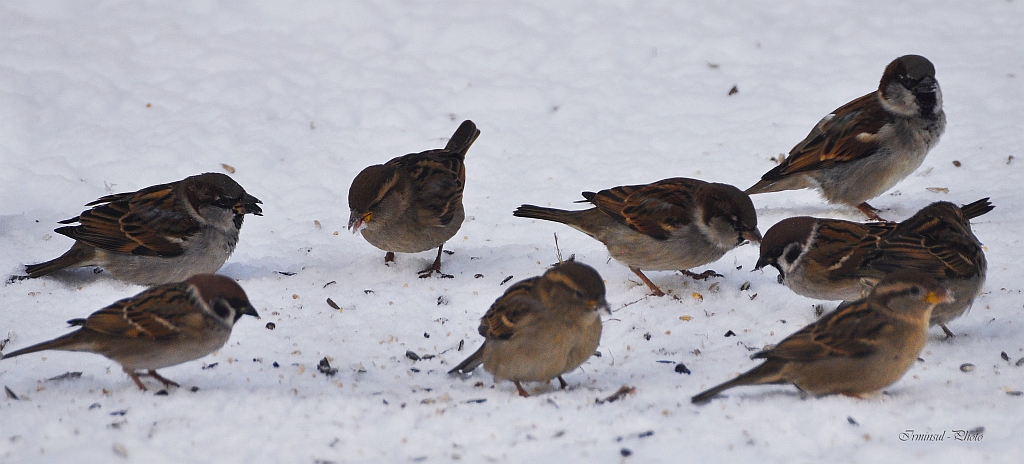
(833, 259)
(160, 234)
(671, 224)
(860, 348)
(163, 326)
(542, 327)
(413, 203)
(866, 146)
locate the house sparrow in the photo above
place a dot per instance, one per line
(542, 327)
(414, 202)
(161, 327)
(160, 234)
(832, 259)
(861, 347)
(672, 224)
(865, 147)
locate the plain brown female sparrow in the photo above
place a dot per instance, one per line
(672, 224)
(861, 347)
(414, 202)
(832, 259)
(542, 327)
(161, 327)
(160, 234)
(865, 147)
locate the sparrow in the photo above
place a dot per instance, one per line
(160, 234)
(542, 327)
(671, 224)
(831, 259)
(414, 202)
(866, 146)
(161, 327)
(860, 348)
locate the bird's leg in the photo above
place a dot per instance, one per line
(135, 377)
(389, 258)
(870, 211)
(436, 267)
(702, 276)
(654, 288)
(562, 382)
(522, 391)
(949, 333)
(167, 382)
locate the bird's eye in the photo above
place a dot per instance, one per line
(225, 202)
(580, 294)
(222, 309)
(915, 290)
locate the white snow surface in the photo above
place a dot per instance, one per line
(98, 97)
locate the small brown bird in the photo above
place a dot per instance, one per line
(542, 327)
(160, 234)
(414, 202)
(866, 146)
(861, 347)
(671, 224)
(163, 326)
(832, 259)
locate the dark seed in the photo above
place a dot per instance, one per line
(956, 163)
(210, 366)
(477, 276)
(649, 433)
(625, 452)
(95, 406)
(477, 401)
(367, 292)
(1020, 362)
(286, 273)
(850, 420)
(681, 369)
(505, 280)
(734, 90)
(330, 283)
(194, 389)
(1015, 393)
(647, 336)
(461, 342)
(162, 393)
(10, 394)
(119, 413)
(426, 335)
(413, 356)
(665, 361)
(967, 367)
(1005, 356)
(730, 334)
(276, 365)
(325, 368)
(332, 304)
(271, 325)
(745, 286)
(442, 300)
(414, 370)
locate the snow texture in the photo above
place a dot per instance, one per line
(111, 96)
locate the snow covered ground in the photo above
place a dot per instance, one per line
(109, 96)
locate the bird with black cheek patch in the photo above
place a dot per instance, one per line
(161, 327)
(160, 234)
(831, 259)
(866, 146)
(542, 327)
(671, 224)
(413, 203)
(860, 348)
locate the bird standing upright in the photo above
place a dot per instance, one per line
(866, 146)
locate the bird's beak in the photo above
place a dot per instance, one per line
(927, 85)
(595, 305)
(939, 296)
(248, 205)
(357, 222)
(752, 235)
(250, 311)
(762, 262)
